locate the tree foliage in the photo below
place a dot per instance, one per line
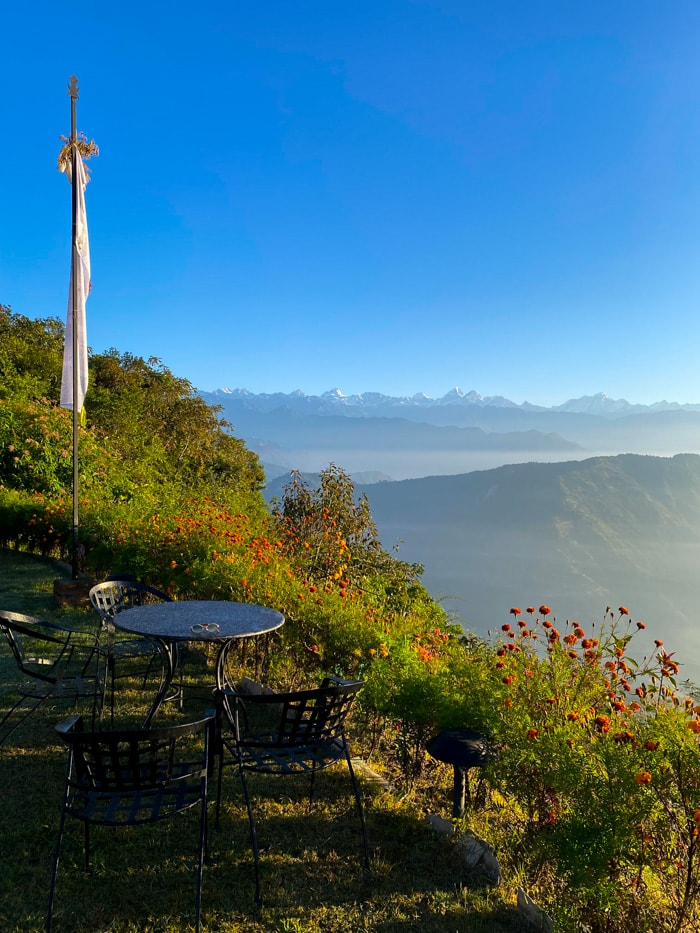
(330, 534)
(146, 430)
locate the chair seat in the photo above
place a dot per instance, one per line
(263, 754)
(131, 808)
(69, 688)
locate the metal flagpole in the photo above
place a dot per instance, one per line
(73, 93)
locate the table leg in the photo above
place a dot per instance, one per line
(169, 650)
(222, 682)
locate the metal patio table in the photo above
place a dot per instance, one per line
(209, 621)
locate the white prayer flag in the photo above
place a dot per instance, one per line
(82, 269)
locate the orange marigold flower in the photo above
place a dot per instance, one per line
(545, 610)
(602, 723)
(696, 816)
(173, 564)
(515, 611)
(658, 643)
(642, 777)
(651, 745)
(572, 717)
(530, 609)
(506, 627)
(694, 726)
(532, 733)
(507, 702)
(623, 610)
(507, 680)
(641, 625)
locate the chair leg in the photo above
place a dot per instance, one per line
(203, 853)
(361, 810)
(54, 871)
(27, 714)
(87, 846)
(253, 837)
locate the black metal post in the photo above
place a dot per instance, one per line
(73, 92)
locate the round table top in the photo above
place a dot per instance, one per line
(174, 621)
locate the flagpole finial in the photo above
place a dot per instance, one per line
(73, 87)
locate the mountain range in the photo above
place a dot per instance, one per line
(418, 436)
(335, 400)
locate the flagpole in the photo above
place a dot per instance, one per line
(73, 93)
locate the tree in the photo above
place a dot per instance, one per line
(330, 534)
(31, 355)
(155, 418)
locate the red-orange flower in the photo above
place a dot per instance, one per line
(651, 745)
(532, 734)
(530, 609)
(694, 726)
(545, 610)
(642, 777)
(641, 625)
(515, 611)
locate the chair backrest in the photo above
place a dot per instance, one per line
(114, 596)
(136, 760)
(306, 717)
(41, 649)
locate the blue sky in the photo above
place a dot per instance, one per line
(394, 196)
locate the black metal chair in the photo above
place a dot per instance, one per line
(128, 778)
(305, 733)
(60, 664)
(115, 596)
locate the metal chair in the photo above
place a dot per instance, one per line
(115, 596)
(129, 778)
(306, 735)
(60, 664)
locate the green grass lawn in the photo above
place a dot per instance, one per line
(143, 879)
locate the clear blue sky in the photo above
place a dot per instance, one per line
(393, 196)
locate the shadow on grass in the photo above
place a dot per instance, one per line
(143, 879)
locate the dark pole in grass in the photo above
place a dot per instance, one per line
(75, 363)
(73, 92)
